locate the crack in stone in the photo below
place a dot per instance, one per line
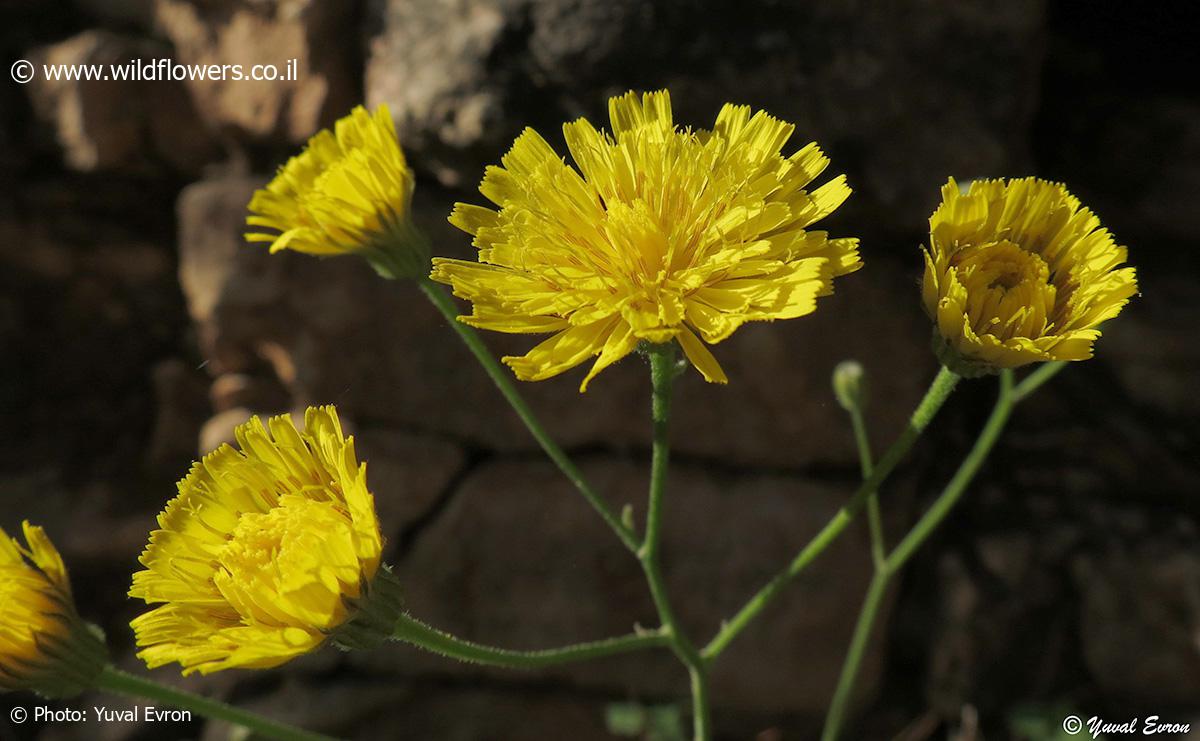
(474, 459)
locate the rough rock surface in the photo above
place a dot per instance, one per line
(1082, 587)
(1141, 618)
(318, 34)
(838, 70)
(117, 123)
(384, 709)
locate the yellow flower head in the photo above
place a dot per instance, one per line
(44, 645)
(657, 234)
(1016, 273)
(348, 192)
(265, 552)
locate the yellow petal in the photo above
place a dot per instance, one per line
(561, 352)
(700, 357)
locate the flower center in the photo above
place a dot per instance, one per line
(257, 540)
(1009, 289)
(291, 565)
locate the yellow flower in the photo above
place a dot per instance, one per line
(1016, 273)
(661, 234)
(44, 645)
(348, 192)
(264, 554)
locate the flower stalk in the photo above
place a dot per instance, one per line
(503, 380)
(119, 682)
(1009, 396)
(664, 368)
(966, 471)
(850, 388)
(854, 655)
(1034, 380)
(943, 384)
(411, 630)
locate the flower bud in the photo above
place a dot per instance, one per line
(348, 192)
(45, 646)
(375, 614)
(1019, 272)
(850, 385)
(266, 552)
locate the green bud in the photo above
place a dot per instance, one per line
(850, 385)
(399, 251)
(953, 360)
(376, 615)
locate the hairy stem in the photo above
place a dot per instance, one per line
(114, 680)
(503, 380)
(915, 538)
(935, 397)
(865, 464)
(962, 477)
(663, 369)
(854, 656)
(411, 630)
(1034, 380)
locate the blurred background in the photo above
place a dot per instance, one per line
(137, 329)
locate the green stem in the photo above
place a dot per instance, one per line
(858, 646)
(663, 369)
(962, 477)
(935, 397)
(915, 538)
(503, 380)
(662, 375)
(861, 440)
(874, 518)
(1035, 379)
(701, 712)
(413, 631)
(114, 680)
